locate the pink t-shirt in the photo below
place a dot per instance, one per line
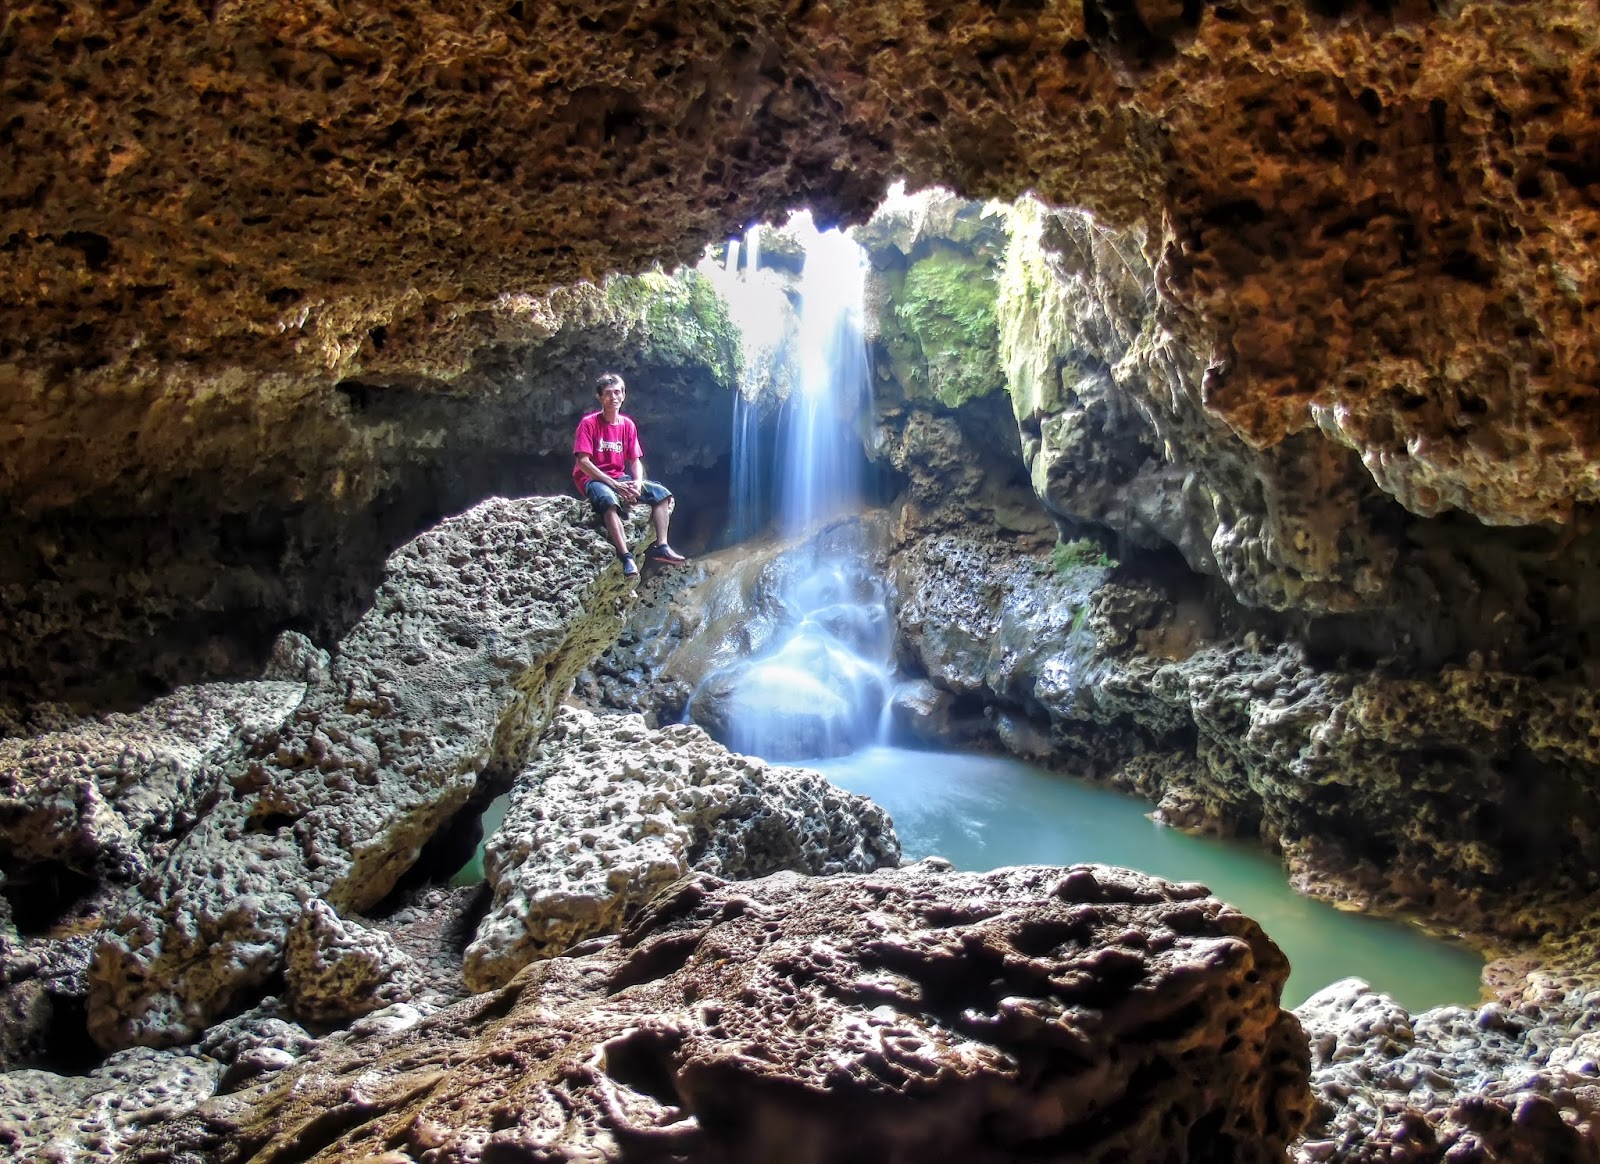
(612, 447)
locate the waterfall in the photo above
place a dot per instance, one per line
(744, 494)
(759, 310)
(817, 686)
(819, 454)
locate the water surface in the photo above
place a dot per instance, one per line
(984, 812)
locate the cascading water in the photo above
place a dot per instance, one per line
(820, 454)
(819, 687)
(756, 306)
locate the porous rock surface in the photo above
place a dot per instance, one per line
(54, 1119)
(1450, 790)
(43, 981)
(608, 812)
(478, 628)
(1371, 225)
(1342, 200)
(1111, 408)
(1066, 1014)
(336, 969)
(1513, 1085)
(106, 797)
(147, 584)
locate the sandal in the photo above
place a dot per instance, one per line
(630, 568)
(665, 554)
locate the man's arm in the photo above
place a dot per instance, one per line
(630, 489)
(626, 489)
(586, 463)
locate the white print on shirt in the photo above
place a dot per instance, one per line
(604, 446)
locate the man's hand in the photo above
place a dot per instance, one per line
(628, 489)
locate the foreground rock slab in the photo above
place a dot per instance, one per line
(479, 626)
(918, 1014)
(609, 812)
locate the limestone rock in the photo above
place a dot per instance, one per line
(106, 797)
(1453, 1084)
(1084, 1014)
(478, 628)
(297, 659)
(924, 712)
(934, 270)
(337, 969)
(1343, 219)
(608, 812)
(1369, 230)
(1442, 789)
(152, 584)
(256, 1042)
(1110, 403)
(63, 1119)
(43, 981)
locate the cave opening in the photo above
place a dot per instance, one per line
(952, 422)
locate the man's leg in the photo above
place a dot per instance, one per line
(660, 501)
(614, 530)
(608, 505)
(661, 517)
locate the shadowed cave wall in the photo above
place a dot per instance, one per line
(230, 232)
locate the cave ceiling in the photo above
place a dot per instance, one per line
(1376, 219)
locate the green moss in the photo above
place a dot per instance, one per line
(944, 340)
(1067, 556)
(676, 320)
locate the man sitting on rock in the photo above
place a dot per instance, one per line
(609, 471)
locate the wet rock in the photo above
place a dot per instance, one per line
(256, 1042)
(812, 697)
(922, 711)
(918, 1014)
(337, 969)
(779, 649)
(1452, 1084)
(478, 628)
(608, 812)
(1397, 783)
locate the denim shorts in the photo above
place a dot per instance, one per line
(604, 497)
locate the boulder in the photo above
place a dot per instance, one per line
(106, 797)
(608, 812)
(478, 628)
(1490, 1083)
(930, 714)
(54, 1119)
(1082, 1014)
(336, 969)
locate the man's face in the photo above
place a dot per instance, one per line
(611, 397)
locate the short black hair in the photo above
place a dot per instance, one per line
(608, 380)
